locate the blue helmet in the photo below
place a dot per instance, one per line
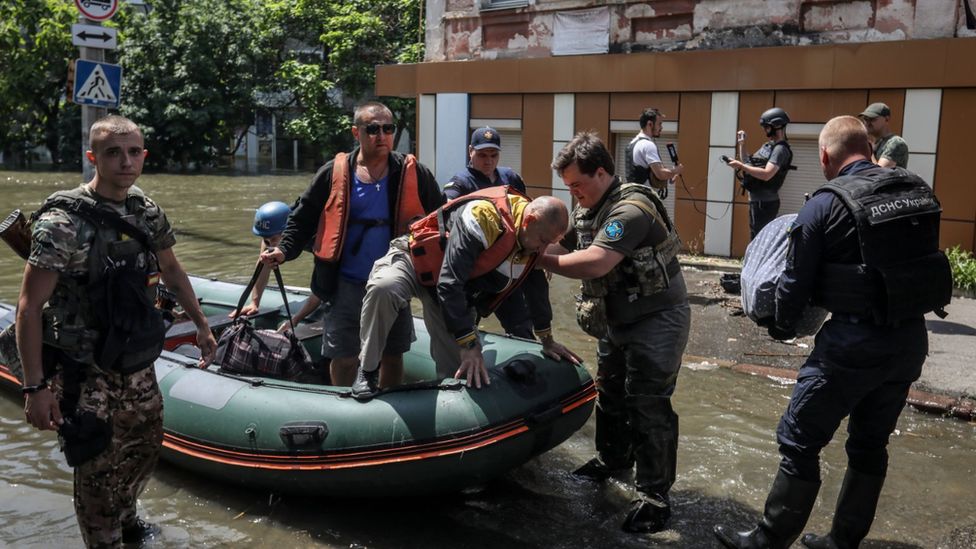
(270, 219)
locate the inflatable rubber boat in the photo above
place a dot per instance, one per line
(428, 435)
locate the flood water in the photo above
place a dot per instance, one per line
(727, 452)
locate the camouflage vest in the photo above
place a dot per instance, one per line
(644, 271)
(70, 321)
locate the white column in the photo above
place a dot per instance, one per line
(721, 180)
(427, 130)
(921, 130)
(563, 123)
(451, 134)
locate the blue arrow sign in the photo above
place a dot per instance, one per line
(97, 84)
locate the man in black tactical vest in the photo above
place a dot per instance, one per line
(623, 246)
(866, 248)
(764, 172)
(88, 332)
(642, 161)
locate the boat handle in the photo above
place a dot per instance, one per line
(304, 435)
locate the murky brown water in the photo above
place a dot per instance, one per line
(727, 453)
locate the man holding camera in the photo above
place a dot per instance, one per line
(764, 172)
(642, 162)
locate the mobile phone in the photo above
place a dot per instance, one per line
(725, 159)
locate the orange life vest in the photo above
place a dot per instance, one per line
(331, 232)
(428, 239)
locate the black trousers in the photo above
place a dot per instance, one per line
(858, 370)
(513, 315)
(760, 214)
(638, 367)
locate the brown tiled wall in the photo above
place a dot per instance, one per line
(953, 170)
(693, 133)
(537, 142)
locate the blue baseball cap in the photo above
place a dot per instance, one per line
(486, 138)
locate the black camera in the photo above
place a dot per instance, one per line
(725, 159)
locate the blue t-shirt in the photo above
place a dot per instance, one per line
(368, 232)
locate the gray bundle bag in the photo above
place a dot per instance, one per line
(762, 265)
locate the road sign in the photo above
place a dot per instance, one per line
(97, 84)
(94, 36)
(97, 10)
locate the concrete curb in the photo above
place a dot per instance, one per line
(944, 405)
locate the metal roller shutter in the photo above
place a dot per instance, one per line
(511, 155)
(623, 139)
(806, 179)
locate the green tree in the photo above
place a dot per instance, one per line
(351, 37)
(192, 73)
(35, 49)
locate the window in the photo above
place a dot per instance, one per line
(502, 4)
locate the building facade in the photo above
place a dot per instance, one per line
(539, 71)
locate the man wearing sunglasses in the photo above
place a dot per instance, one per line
(356, 204)
(482, 172)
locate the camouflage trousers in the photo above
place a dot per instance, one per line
(106, 487)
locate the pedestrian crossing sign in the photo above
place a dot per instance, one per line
(97, 84)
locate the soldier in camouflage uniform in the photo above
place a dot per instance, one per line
(113, 434)
(634, 301)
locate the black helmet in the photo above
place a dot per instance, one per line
(775, 117)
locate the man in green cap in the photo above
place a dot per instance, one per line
(890, 150)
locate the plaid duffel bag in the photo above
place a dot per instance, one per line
(244, 350)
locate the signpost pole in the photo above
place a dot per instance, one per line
(89, 114)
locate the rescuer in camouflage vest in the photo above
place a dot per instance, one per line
(633, 299)
(88, 332)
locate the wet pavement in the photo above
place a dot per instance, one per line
(721, 333)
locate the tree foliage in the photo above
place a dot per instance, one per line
(35, 48)
(192, 71)
(352, 36)
(195, 73)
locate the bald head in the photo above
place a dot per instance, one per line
(843, 140)
(550, 211)
(544, 222)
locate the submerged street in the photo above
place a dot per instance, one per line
(727, 452)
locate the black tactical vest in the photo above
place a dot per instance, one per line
(633, 172)
(903, 273)
(111, 313)
(759, 160)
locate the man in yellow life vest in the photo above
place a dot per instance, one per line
(462, 262)
(356, 204)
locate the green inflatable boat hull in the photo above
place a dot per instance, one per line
(428, 435)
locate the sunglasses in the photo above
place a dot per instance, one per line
(374, 128)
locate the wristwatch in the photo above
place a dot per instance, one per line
(31, 389)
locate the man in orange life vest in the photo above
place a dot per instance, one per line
(355, 205)
(462, 261)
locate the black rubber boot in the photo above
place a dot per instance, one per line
(598, 471)
(655, 430)
(787, 509)
(139, 532)
(856, 504)
(367, 384)
(648, 515)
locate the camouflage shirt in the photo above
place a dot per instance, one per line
(60, 240)
(893, 148)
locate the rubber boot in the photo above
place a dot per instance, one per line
(787, 509)
(856, 504)
(366, 385)
(139, 531)
(648, 514)
(655, 434)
